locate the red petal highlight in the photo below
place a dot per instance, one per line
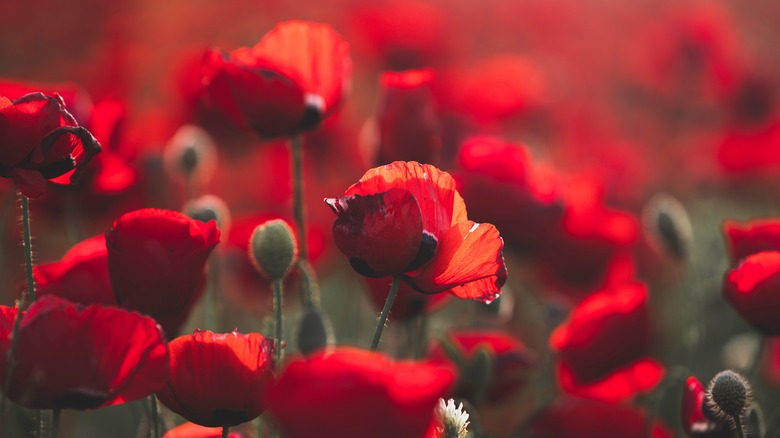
(469, 263)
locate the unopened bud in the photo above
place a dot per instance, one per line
(190, 154)
(667, 226)
(273, 249)
(728, 396)
(209, 207)
(314, 331)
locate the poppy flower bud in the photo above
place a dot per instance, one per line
(728, 396)
(190, 154)
(667, 226)
(314, 330)
(273, 249)
(209, 207)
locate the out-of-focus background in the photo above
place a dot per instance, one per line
(612, 101)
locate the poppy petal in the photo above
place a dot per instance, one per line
(469, 262)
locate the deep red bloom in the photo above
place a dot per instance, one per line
(289, 81)
(607, 330)
(570, 417)
(218, 379)
(508, 366)
(156, 262)
(81, 357)
(751, 289)
(192, 430)
(41, 141)
(744, 239)
(695, 421)
(352, 393)
(81, 276)
(408, 219)
(407, 123)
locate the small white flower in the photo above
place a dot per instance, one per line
(453, 420)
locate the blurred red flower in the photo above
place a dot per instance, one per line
(42, 141)
(406, 218)
(218, 379)
(583, 418)
(156, 261)
(81, 276)
(608, 330)
(192, 430)
(744, 239)
(751, 289)
(406, 125)
(352, 393)
(619, 385)
(504, 372)
(695, 421)
(288, 82)
(81, 357)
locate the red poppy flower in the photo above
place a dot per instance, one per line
(607, 330)
(584, 418)
(218, 379)
(751, 237)
(621, 384)
(403, 34)
(408, 302)
(81, 276)
(352, 393)
(156, 261)
(503, 187)
(192, 430)
(406, 123)
(695, 421)
(751, 289)
(507, 367)
(408, 219)
(293, 78)
(41, 141)
(81, 357)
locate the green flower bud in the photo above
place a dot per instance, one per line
(273, 249)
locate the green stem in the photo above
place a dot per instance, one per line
(28, 263)
(225, 431)
(310, 289)
(277, 285)
(154, 430)
(55, 422)
(298, 207)
(738, 424)
(380, 325)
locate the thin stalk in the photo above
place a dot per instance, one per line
(277, 285)
(28, 263)
(380, 325)
(225, 431)
(738, 424)
(154, 430)
(298, 207)
(55, 422)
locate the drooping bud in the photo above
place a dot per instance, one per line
(209, 207)
(667, 226)
(314, 331)
(728, 396)
(190, 154)
(273, 249)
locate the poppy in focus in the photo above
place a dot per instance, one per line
(218, 379)
(406, 218)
